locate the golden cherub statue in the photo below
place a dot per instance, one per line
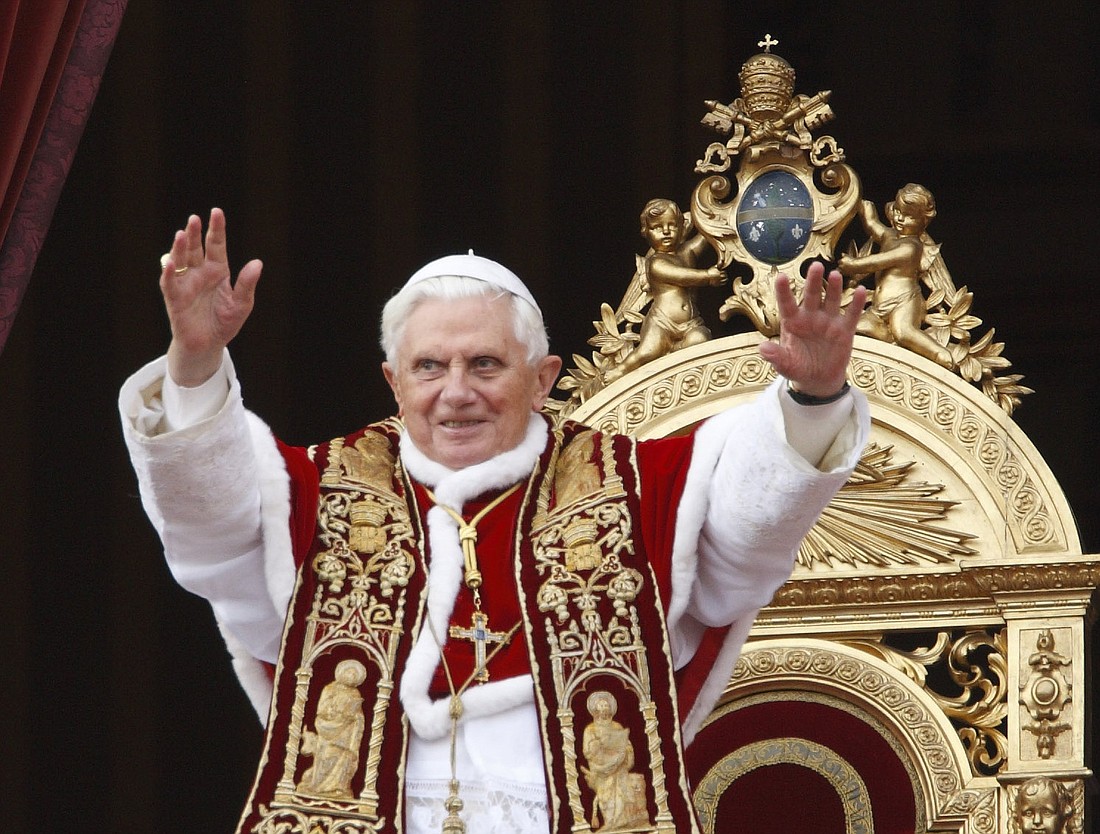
(906, 255)
(667, 278)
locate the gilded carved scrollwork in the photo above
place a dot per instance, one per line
(1046, 692)
(985, 441)
(771, 665)
(951, 517)
(978, 808)
(975, 666)
(778, 218)
(952, 795)
(689, 385)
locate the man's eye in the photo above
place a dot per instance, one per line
(486, 363)
(426, 366)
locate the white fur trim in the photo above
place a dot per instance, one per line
(715, 683)
(761, 422)
(251, 673)
(171, 473)
(279, 569)
(708, 443)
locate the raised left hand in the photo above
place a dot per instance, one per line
(815, 337)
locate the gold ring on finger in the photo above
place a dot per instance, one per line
(164, 263)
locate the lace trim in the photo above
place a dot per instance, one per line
(501, 809)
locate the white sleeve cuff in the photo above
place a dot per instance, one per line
(185, 407)
(811, 430)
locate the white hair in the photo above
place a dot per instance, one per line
(527, 323)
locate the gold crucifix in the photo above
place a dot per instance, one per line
(479, 634)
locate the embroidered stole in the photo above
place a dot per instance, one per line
(593, 624)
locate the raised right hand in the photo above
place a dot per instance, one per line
(206, 310)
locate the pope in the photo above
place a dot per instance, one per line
(466, 574)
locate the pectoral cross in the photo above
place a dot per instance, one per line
(479, 634)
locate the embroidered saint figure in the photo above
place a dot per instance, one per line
(337, 732)
(620, 803)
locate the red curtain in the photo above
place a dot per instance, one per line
(52, 55)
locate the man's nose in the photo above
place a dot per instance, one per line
(456, 386)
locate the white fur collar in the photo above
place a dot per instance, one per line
(431, 719)
(456, 486)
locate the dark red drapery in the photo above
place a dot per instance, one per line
(52, 56)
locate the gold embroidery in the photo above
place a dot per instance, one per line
(576, 476)
(582, 552)
(590, 640)
(370, 461)
(366, 534)
(838, 772)
(363, 570)
(337, 732)
(620, 803)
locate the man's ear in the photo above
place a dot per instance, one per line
(391, 379)
(546, 373)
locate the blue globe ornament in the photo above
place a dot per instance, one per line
(775, 217)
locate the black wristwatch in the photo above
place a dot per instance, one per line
(809, 399)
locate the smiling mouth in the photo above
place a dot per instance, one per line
(459, 424)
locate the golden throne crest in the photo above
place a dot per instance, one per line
(939, 608)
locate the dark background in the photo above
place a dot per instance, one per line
(349, 143)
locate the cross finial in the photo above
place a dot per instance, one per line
(768, 42)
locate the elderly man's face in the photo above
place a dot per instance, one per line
(462, 381)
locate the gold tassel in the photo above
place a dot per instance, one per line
(467, 537)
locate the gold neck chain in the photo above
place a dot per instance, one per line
(453, 823)
(479, 633)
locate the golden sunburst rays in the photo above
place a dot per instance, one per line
(879, 519)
